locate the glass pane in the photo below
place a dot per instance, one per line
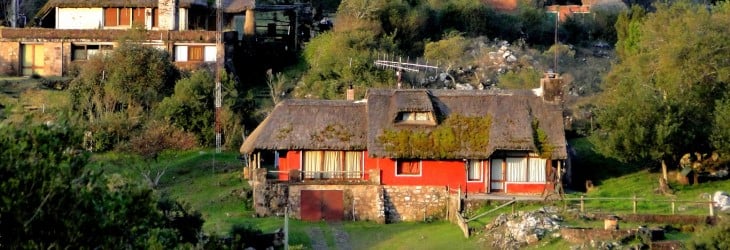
(353, 164)
(537, 170)
(475, 170)
(517, 169)
(312, 164)
(38, 58)
(421, 116)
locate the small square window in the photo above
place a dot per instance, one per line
(408, 167)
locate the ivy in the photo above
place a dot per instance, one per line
(540, 138)
(457, 135)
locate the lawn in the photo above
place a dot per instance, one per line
(211, 183)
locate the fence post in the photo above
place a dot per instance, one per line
(712, 208)
(634, 201)
(673, 200)
(513, 205)
(582, 204)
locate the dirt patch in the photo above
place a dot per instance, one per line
(342, 239)
(316, 236)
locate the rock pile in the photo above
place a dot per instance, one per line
(523, 228)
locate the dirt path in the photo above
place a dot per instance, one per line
(342, 239)
(316, 236)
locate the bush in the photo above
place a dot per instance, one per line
(712, 238)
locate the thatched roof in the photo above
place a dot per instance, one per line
(311, 124)
(512, 115)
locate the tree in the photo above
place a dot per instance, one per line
(114, 92)
(49, 199)
(661, 97)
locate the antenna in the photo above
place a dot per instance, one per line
(555, 42)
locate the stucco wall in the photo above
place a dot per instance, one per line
(80, 18)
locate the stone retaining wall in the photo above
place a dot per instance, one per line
(415, 203)
(585, 235)
(361, 202)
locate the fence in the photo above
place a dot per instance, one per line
(672, 203)
(581, 203)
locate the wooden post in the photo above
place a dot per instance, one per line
(712, 208)
(673, 210)
(582, 204)
(634, 201)
(513, 205)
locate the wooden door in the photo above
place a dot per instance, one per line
(316, 205)
(496, 175)
(33, 60)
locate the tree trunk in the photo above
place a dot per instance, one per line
(664, 171)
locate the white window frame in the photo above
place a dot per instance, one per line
(420, 170)
(481, 170)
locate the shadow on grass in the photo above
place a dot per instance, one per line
(589, 164)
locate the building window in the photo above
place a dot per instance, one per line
(138, 16)
(332, 164)
(195, 53)
(111, 17)
(526, 169)
(82, 52)
(408, 167)
(124, 16)
(416, 118)
(33, 59)
(474, 170)
(155, 17)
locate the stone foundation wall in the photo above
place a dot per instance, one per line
(415, 203)
(361, 202)
(9, 58)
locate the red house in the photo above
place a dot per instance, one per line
(473, 141)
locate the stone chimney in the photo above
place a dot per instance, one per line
(249, 25)
(350, 93)
(552, 87)
(168, 14)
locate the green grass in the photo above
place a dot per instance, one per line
(408, 235)
(208, 182)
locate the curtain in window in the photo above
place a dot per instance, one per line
(332, 164)
(517, 169)
(537, 170)
(312, 164)
(474, 170)
(353, 164)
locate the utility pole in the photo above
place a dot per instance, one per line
(219, 70)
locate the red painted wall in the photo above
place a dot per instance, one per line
(525, 188)
(451, 173)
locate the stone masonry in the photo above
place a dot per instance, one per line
(362, 201)
(415, 203)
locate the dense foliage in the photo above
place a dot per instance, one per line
(666, 95)
(436, 31)
(457, 134)
(50, 200)
(115, 92)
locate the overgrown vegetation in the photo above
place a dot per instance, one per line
(651, 112)
(457, 134)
